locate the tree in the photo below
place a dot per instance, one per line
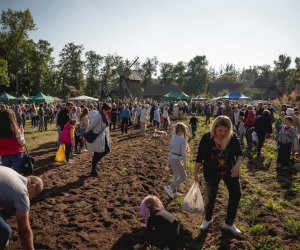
(228, 74)
(108, 74)
(148, 70)
(293, 79)
(15, 26)
(281, 70)
(179, 73)
(197, 75)
(92, 66)
(43, 67)
(248, 74)
(71, 65)
(166, 72)
(265, 71)
(4, 80)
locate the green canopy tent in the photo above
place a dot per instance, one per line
(175, 96)
(6, 98)
(22, 98)
(40, 97)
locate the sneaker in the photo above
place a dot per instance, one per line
(84, 150)
(70, 162)
(233, 229)
(169, 191)
(178, 194)
(205, 225)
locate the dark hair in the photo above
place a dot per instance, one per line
(8, 123)
(289, 118)
(106, 106)
(266, 112)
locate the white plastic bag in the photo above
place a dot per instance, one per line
(193, 201)
(254, 137)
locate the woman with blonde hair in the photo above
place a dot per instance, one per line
(177, 158)
(220, 154)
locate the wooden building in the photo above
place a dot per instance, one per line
(158, 90)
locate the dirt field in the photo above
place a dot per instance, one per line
(76, 211)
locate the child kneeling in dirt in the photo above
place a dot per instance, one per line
(162, 229)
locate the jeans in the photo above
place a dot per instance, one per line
(234, 189)
(194, 129)
(59, 133)
(166, 123)
(284, 153)
(13, 161)
(41, 123)
(179, 173)
(5, 232)
(143, 127)
(124, 124)
(68, 151)
(98, 156)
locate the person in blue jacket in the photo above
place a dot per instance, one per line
(125, 118)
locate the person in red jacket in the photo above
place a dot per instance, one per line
(11, 141)
(67, 137)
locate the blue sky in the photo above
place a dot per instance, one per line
(241, 32)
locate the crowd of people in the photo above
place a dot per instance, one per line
(235, 127)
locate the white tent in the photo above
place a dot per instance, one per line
(84, 98)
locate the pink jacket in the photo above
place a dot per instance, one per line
(66, 136)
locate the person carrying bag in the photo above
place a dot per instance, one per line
(101, 144)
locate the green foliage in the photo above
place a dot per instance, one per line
(190, 167)
(254, 93)
(71, 65)
(273, 206)
(281, 70)
(4, 80)
(260, 191)
(268, 242)
(92, 67)
(148, 70)
(257, 229)
(124, 171)
(166, 72)
(293, 227)
(197, 75)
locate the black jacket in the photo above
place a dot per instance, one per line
(62, 118)
(263, 124)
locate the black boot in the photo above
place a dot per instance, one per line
(94, 171)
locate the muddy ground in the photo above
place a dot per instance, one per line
(77, 211)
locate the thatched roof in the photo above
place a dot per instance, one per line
(159, 90)
(214, 88)
(132, 75)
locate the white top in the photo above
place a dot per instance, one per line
(177, 147)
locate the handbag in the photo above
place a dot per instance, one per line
(90, 136)
(28, 163)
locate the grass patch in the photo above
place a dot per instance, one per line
(35, 139)
(124, 171)
(260, 191)
(258, 229)
(293, 227)
(273, 206)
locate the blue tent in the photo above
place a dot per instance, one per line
(235, 96)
